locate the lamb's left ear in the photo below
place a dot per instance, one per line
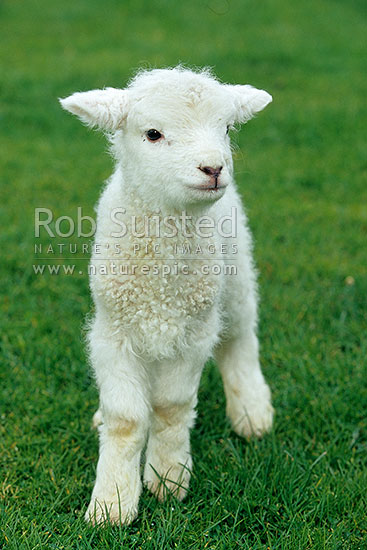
(105, 109)
(248, 100)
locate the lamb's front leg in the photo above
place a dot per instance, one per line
(168, 458)
(125, 416)
(247, 394)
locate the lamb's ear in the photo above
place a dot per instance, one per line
(249, 101)
(105, 109)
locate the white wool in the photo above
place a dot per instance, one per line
(153, 331)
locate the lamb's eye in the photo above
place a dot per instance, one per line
(153, 135)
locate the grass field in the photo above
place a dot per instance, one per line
(301, 168)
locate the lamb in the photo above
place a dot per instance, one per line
(162, 306)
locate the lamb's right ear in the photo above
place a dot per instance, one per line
(105, 109)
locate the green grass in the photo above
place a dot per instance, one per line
(301, 168)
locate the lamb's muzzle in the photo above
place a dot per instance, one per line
(210, 171)
(214, 175)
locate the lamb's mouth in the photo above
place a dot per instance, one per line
(207, 187)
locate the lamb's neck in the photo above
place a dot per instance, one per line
(138, 204)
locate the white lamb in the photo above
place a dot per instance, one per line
(172, 279)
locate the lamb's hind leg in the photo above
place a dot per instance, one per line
(248, 396)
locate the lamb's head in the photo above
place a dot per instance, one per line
(169, 130)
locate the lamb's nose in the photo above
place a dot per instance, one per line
(211, 170)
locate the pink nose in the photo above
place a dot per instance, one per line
(213, 171)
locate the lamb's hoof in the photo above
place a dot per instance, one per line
(101, 512)
(255, 421)
(97, 419)
(174, 482)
